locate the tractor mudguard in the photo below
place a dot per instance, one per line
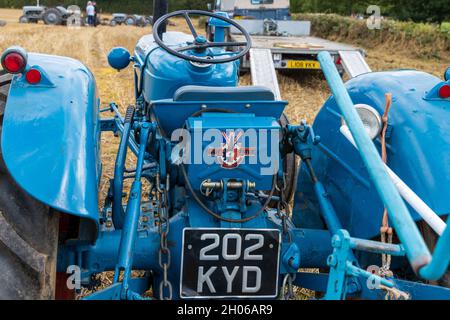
(418, 152)
(50, 138)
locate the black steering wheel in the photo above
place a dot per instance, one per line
(200, 43)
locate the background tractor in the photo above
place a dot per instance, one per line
(202, 206)
(130, 20)
(51, 16)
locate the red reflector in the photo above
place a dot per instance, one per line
(444, 91)
(14, 62)
(339, 61)
(33, 76)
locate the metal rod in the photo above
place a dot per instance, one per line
(129, 232)
(376, 247)
(117, 209)
(441, 257)
(415, 247)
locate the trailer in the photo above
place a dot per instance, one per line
(288, 42)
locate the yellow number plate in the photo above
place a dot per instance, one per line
(298, 64)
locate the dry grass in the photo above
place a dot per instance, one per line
(306, 93)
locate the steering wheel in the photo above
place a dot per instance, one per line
(200, 43)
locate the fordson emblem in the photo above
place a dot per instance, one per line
(231, 153)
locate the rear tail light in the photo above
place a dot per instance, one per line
(444, 91)
(33, 76)
(14, 60)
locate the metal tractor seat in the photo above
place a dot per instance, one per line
(203, 93)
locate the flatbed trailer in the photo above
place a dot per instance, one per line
(300, 52)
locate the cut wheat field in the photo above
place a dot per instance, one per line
(305, 93)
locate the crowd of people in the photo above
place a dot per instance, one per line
(91, 12)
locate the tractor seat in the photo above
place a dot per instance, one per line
(203, 93)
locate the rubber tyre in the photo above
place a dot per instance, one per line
(290, 165)
(53, 17)
(24, 19)
(28, 234)
(130, 21)
(431, 239)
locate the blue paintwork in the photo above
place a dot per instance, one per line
(167, 73)
(50, 143)
(251, 167)
(51, 134)
(119, 58)
(172, 115)
(419, 139)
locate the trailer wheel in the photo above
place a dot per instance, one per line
(113, 23)
(53, 17)
(28, 234)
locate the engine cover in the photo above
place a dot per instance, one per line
(233, 146)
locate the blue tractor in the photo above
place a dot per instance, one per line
(207, 213)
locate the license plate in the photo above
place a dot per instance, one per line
(301, 64)
(230, 263)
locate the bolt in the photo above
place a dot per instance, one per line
(248, 105)
(331, 261)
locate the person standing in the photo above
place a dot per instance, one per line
(95, 13)
(90, 11)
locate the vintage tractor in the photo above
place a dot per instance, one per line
(130, 20)
(204, 211)
(50, 16)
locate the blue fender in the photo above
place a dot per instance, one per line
(51, 134)
(418, 152)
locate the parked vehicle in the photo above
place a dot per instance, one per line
(51, 16)
(288, 42)
(130, 20)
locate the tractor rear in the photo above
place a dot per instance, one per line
(204, 210)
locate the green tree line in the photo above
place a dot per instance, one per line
(415, 10)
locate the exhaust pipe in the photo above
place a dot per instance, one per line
(160, 8)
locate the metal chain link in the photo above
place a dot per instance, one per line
(287, 289)
(164, 250)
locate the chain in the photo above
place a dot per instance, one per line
(287, 289)
(164, 254)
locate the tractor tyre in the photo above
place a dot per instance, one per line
(28, 234)
(290, 166)
(130, 21)
(113, 23)
(431, 239)
(53, 17)
(24, 19)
